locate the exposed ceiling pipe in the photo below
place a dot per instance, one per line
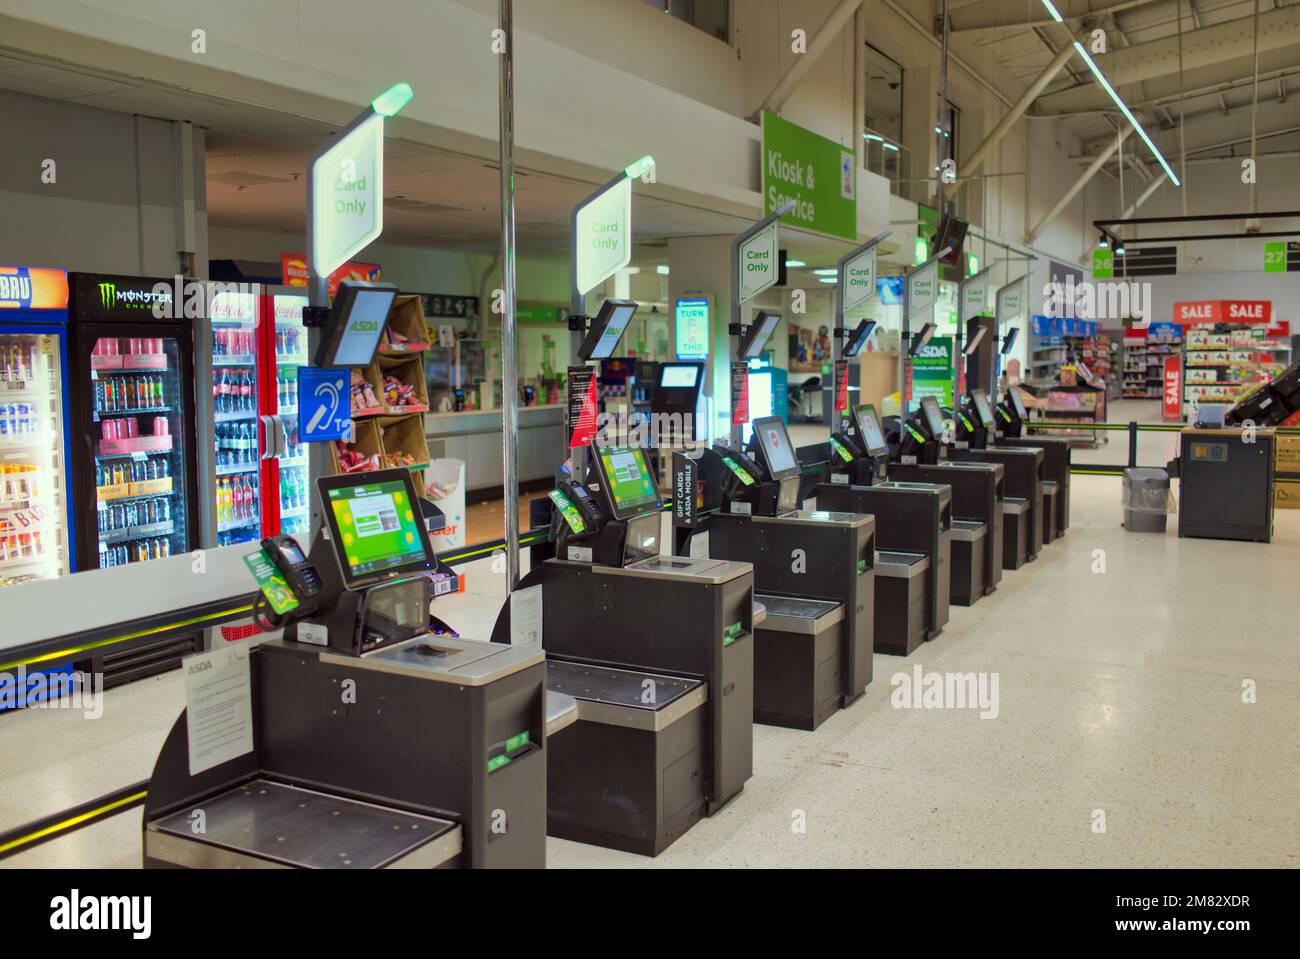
(1207, 47)
(1079, 184)
(827, 34)
(1017, 110)
(996, 14)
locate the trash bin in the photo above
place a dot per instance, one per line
(1148, 500)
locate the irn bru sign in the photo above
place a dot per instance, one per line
(32, 288)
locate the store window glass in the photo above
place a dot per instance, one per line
(883, 120)
(711, 16)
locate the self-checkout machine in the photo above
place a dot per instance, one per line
(1007, 431)
(372, 735)
(913, 519)
(814, 570)
(664, 708)
(976, 525)
(1023, 486)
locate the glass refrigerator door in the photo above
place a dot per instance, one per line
(290, 356)
(34, 535)
(235, 419)
(141, 461)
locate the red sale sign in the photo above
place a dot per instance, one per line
(1173, 396)
(1197, 312)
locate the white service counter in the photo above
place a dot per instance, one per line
(475, 436)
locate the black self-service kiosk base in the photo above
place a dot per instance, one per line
(814, 572)
(664, 729)
(379, 738)
(914, 543)
(913, 532)
(1001, 427)
(977, 528)
(664, 735)
(1022, 502)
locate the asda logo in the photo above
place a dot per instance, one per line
(365, 326)
(932, 351)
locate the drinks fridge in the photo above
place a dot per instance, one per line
(36, 540)
(262, 484)
(133, 426)
(288, 475)
(237, 461)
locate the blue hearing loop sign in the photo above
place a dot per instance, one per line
(324, 405)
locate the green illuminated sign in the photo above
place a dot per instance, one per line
(1275, 257)
(603, 241)
(691, 318)
(843, 450)
(859, 280)
(347, 196)
(818, 174)
(1103, 264)
(758, 263)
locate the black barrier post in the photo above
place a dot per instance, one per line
(1132, 443)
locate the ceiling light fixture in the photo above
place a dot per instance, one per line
(795, 263)
(825, 271)
(1123, 107)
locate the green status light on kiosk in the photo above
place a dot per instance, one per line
(640, 168)
(392, 100)
(740, 471)
(845, 453)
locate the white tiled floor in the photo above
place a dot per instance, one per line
(1119, 691)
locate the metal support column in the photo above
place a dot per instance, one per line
(509, 374)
